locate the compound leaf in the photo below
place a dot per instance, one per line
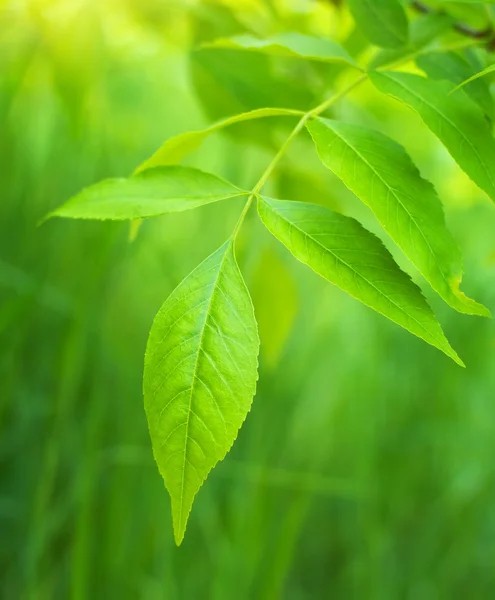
(150, 193)
(289, 44)
(382, 175)
(383, 22)
(455, 119)
(176, 148)
(200, 376)
(339, 249)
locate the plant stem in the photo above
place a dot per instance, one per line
(462, 28)
(314, 112)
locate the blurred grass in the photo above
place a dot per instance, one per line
(366, 467)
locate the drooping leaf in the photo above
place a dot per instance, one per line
(475, 77)
(200, 376)
(455, 119)
(149, 194)
(453, 67)
(176, 148)
(289, 44)
(339, 249)
(384, 22)
(381, 174)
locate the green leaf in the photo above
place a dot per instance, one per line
(176, 148)
(384, 22)
(149, 194)
(200, 376)
(451, 66)
(473, 78)
(289, 44)
(339, 249)
(382, 175)
(455, 119)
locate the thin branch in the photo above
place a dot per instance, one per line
(462, 28)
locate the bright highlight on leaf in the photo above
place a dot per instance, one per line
(149, 194)
(289, 44)
(454, 119)
(383, 22)
(339, 249)
(200, 376)
(382, 175)
(176, 148)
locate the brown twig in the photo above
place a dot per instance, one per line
(462, 28)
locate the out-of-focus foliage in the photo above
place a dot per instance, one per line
(365, 467)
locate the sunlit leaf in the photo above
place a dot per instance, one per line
(382, 175)
(339, 249)
(176, 148)
(455, 119)
(289, 44)
(200, 376)
(384, 22)
(151, 193)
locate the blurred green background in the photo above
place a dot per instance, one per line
(366, 468)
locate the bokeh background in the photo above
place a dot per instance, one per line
(366, 467)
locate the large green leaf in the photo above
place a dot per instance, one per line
(384, 22)
(382, 175)
(339, 249)
(150, 193)
(455, 119)
(200, 376)
(176, 148)
(453, 67)
(289, 44)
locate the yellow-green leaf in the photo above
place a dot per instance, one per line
(381, 174)
(339, 249)
(454, 118)
(176, 148)
(289, 44)
(200, 376)
(151, 193)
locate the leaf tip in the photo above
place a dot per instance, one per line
(179, 535)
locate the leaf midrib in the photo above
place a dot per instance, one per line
(194, 379)
(394, 193)
(209, 199)
(461, 133)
